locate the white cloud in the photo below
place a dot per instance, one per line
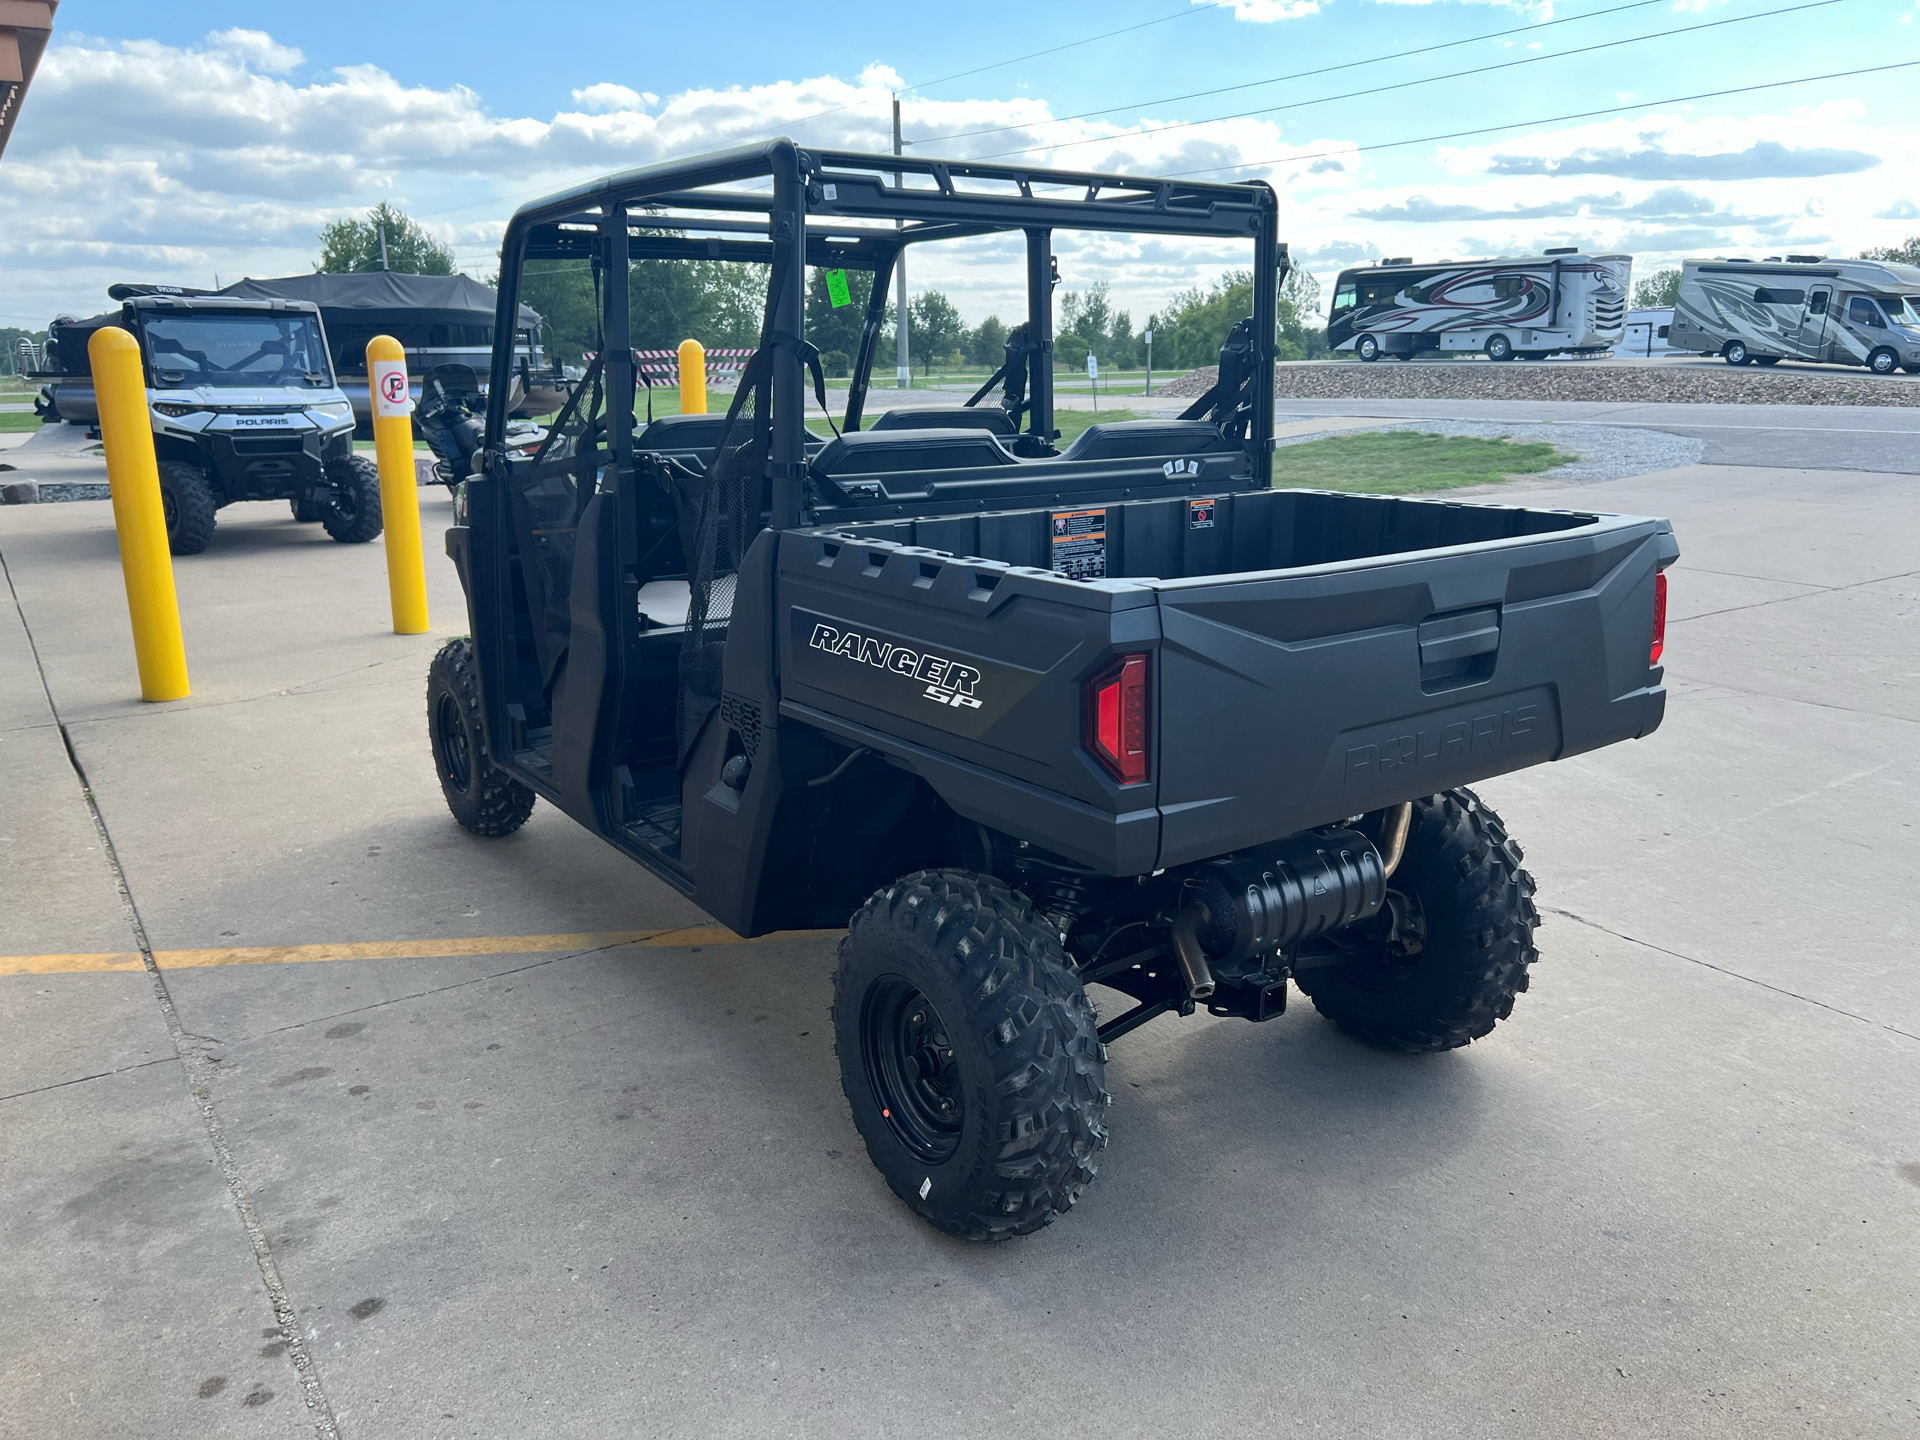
(1265, 12)
(258, 49)
(136, 160)
(608, 96)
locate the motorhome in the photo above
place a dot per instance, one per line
(1801, 307)
(1525, 307)
(1646, 333)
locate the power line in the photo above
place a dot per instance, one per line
(1075, 44)
(1001, 64)
(1548, 120)
(1406, 84)
(1302, 74)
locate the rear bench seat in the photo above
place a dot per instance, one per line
(880, 452)
(1148, 440)
(990, 418)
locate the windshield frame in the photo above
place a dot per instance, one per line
(1901, 310)
(298, 330)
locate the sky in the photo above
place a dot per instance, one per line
(186, 143)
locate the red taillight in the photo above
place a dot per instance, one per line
(1659, 617)
(1117, 718)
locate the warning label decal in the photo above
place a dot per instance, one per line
(1080, 544)
(1200, 514)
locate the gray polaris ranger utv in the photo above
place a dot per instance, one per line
(1025, 719)
(244, 407)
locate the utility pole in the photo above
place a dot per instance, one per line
(903, 374)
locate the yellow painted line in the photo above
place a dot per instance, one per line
(445, 947)
(68, 964)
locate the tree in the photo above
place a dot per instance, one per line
(350, 247)
(10, 339)
(837, 331)
(1302, 291)
(986, 343)
(934, 327)
(717, 302)
(1659, 291)
(1907, 252)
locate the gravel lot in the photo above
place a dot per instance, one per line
(1546, 380)
(1606, 452)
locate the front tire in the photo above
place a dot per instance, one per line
(482, 796)
(1368, 348)
(969, 1055)
(1883, 362)
(1736, 352)
(352, 512)
(187, 501)
(1452, 949)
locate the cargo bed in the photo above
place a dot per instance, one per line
(1314, 655)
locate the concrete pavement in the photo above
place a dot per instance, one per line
(612, 1188)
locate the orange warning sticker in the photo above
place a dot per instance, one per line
(1080, 544)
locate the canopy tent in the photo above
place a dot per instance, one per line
(407, 299)
(438, 313)
(435, 317)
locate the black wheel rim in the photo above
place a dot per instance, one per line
(345, 501)
(450, 739)
(170, 510)
(910, 1068)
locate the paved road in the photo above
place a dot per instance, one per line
(1829, 437)
(435, 1182)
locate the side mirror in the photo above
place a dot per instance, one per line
(1284, 262)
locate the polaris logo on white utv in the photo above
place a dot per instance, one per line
(948, 682)
(1174, 469)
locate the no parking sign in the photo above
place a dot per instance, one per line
(391, 394)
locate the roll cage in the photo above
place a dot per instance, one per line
(852, 211)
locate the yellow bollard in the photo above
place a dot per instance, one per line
(693, 378)
(399, 490)
(133, 479)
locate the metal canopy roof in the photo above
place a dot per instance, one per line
(854, 200)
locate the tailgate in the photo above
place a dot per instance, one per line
(1295, 699)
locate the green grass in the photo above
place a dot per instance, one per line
(1406, 462)
(12, 421)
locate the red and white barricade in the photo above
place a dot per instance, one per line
(663, 366)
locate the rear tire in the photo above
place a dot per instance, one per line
(482, 796)
(1468, 919)
(1499, 347)
(1736, 352)
(969, 1054)
(306, 511)
(1368, 348)
(352, 513)
(187, 501)
(1766, 359)
(1883, 361)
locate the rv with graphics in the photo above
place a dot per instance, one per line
(1805, 307)
(1561, 301)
